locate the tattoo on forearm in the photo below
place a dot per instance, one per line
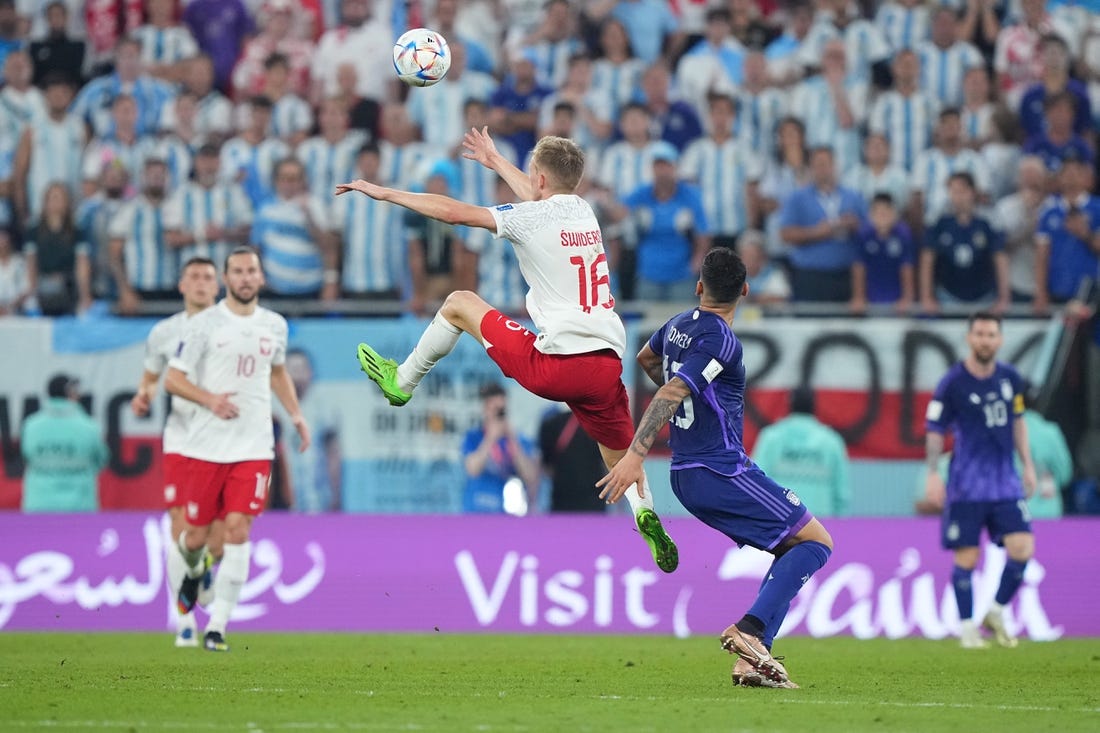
(659, 412)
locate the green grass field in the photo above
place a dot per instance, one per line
(334, 682)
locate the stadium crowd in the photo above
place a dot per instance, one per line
(904, 153)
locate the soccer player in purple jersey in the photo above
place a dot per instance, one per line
(982, 401)
(696, 361)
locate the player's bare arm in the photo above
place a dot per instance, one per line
(1019, 440)
(146, 391)
(283, 388)
(650, 363)
(433, 206)
(177, 383)
(629, 469)
(480, 147)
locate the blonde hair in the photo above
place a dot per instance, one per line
(561, 159)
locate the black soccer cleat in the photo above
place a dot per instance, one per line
(188, 595)
(214, 642)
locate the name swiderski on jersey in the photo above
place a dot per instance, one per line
(581, 239)
(680, 339)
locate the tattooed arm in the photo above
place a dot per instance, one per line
(629, 469)
(650, 362)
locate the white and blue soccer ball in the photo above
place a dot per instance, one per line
(421, 57)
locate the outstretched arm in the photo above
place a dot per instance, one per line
(433, 206)
(283, 387)
(629, 470)
(480, 147)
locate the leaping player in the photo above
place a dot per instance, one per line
(576, 355)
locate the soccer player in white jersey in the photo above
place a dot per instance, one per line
(230, 361)
(199, 287)
(576, 356)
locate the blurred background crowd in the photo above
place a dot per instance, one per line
(905, 156)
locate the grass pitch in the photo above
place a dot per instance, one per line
(338, 682)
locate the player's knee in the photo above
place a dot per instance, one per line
(237, 528)
(1021, 550)
(195, 537)
(457, 303)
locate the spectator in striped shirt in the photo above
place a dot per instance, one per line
(592, 110)
(760, 106)
(936, 164)
(904, 114)
(291, 116)
(977, 110)
(143, 265)
(291, 231)
(165, 44)
(554, 42)
(93, 103)
(213, 114)
(782, 54)
(727, 173)
(672, 120)
(904, 23)
(877, 175)
(945, 59)
(437, 110)
(371, 248)
(123, 144)
(249, 159)
(439, 263)
(832, 106)
(617, 72)
(48, 151)
(866, 50)
(627, 164)
(329, 158)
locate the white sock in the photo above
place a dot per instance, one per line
(438, 340)
(175, 568)
(638, 503)
(996, 608)
(192, 559)
(968, 626)
(231, 577)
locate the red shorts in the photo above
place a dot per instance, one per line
(174, 479)
(590, 384)
(213, 490)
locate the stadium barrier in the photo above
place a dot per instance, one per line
(583, 574)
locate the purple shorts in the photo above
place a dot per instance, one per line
(963, 522)
(749, 508)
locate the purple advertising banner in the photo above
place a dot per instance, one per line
(540, 574)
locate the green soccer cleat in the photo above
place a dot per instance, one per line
(382, 372)
(660, 544)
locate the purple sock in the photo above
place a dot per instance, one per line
(771, 625)
(787, 576)
(1011, 578)
(964, 593)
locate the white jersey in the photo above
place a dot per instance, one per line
(161, 345)
(559, 247)
(224, 352)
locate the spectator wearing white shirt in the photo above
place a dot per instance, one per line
(593, 111)
(48, 151)
(783, 53)
(165, 44)
(904, 114)
(363, 40)
(946, 60)
(877, 175)
(832, 107)
(329, 157)
(15, 286)
(727, 173)
(903, 23)
(863, 42)
(935, 166)
(20, 102)
(617, 73)
(437, 110)
(714, 64)
(977, 110)
(759, 106)
(1016, 216)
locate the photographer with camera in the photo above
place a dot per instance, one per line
(494, 454)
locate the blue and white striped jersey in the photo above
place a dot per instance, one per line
(977, 124)
(372, 242)
(213, 118)
(400, 163)
(597, 105)
(903, 27)
(812, 103)
(103, 152)
(892, 180)
(932, 169)
(56, 152)
(177, 156)
(193, 208)
(93, 102)
(437, 110)
(617, 82)
(252, 166)
(292, 259)
(165, 45)
(942, 70)
(499, 280)
(623, 168)
(723, 173)
(328, 164)
(290, 115)
(863, 41)
(17, 110)
(478, 182)
(758, 117)
(907, 123)
(552, 59)
(150, 263)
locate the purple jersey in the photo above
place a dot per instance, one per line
(982, 413)
(698, 347)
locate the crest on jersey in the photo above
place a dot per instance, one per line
(265, 346)
(792, 498)
(974, 398)
(1006, 389)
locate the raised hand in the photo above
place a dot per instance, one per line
(479, 146)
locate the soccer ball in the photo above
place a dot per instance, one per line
(421, 57)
